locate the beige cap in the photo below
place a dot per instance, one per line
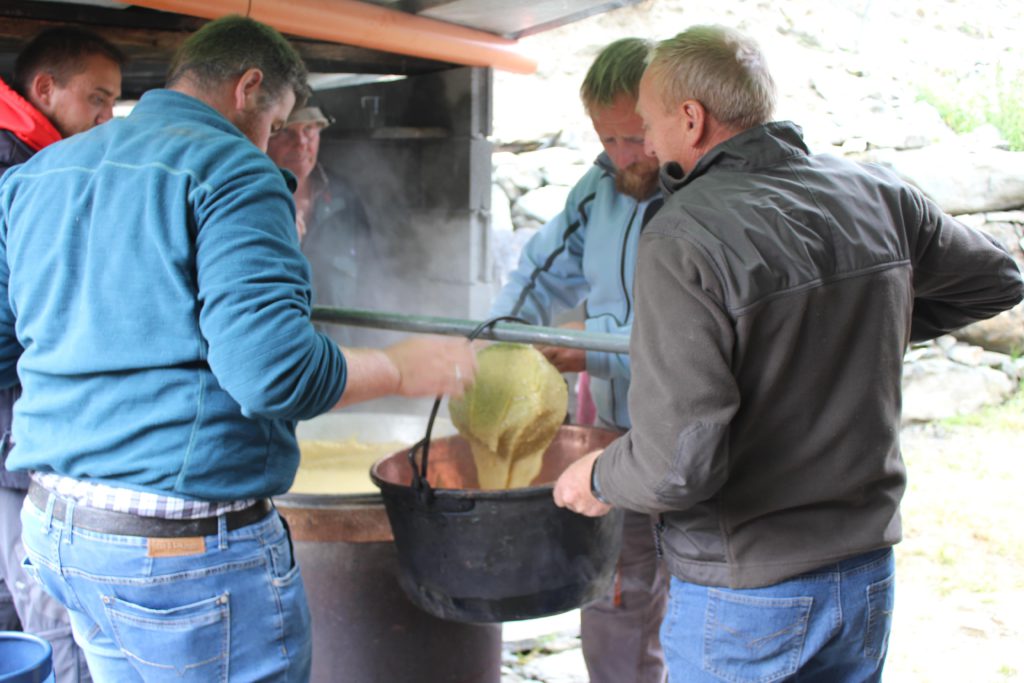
(309, 114)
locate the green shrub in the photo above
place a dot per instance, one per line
(1008, 113)
(998, 100)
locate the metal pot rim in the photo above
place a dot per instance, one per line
(473, 494)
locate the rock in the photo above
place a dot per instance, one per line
(922, 353)
(998, 361)
(544, 203)
(1014, 369)
(566, 174)
(564, 667)
(910, 127)
(1015, 217)
(934, 389)
(958, 178)
(513, 178)
(966, 354)
(501, 210)
(506, 247)
(985, 135)
(499, 159)
(552, 157)
(1008, 228)
(1004, 333)
(510, 676)
(524, 222)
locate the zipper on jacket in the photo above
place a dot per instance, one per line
(622, 266)
(627, 288)
(581, 209)
(656, 529)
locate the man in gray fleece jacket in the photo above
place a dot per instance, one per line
(776, 293)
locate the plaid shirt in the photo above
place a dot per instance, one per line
(105, 497)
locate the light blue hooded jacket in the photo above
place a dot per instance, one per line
(586, 253)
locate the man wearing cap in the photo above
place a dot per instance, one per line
(331, 220)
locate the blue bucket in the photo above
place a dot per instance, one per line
(25, 658)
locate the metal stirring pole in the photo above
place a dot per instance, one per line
(500, 331)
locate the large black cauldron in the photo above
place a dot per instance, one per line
(364, 628)
(474, 555)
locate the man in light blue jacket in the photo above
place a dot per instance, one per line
(586, 254)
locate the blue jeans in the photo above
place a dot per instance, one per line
(235, 610)
(830, 625)
(37, 611)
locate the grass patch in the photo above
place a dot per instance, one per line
(964, 104)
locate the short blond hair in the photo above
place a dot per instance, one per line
(616, 71)
(719, 67)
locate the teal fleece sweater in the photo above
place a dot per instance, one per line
(156, 307)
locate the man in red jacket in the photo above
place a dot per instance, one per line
(65, 82)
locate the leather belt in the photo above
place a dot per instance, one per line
(127, 524)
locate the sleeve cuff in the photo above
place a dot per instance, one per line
(595, 488)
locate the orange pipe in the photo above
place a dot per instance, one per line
(358, 23)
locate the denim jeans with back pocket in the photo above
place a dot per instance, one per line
(830, 625)
(232, 609)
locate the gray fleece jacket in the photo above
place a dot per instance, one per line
(776, 293)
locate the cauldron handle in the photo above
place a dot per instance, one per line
(419, 474)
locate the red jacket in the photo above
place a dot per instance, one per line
(23, 128)
(23, 132)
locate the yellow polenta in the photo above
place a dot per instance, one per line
(339, 467)
(510, 414)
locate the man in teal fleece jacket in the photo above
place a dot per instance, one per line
(65, 81)
(155, 306)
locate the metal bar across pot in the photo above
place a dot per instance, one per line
(501, 331)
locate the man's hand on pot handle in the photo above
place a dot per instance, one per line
(572, 490)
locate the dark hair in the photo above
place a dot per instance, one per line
(60, 52)
(224, 49)
(616, 71)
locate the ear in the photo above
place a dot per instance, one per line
(247, 89)
(694, 118)
(41, 92)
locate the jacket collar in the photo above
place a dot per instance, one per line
(25, 121)
(171, 103)
(754, 148)
(604, 162)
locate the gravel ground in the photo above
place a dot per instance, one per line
(960, 596)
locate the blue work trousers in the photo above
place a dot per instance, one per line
(234, 610)
(830, 625)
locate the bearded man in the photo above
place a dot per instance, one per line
(587, 253)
